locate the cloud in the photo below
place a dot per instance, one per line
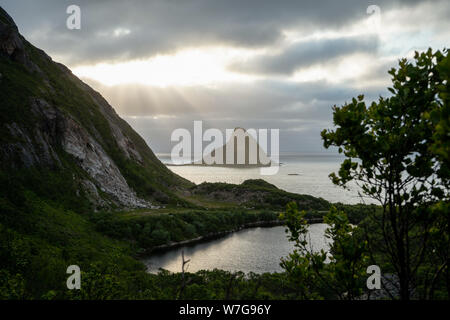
(329, 60)
(273, 99)
(307, 53)
(161, 26)
(297, 109)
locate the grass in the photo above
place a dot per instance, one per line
(47, 223)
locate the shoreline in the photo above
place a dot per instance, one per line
(215, 235)
(237, 166)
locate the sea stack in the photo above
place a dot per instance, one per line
(241, 150)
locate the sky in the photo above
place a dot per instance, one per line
(259, 64)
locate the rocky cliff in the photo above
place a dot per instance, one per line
(52, 121)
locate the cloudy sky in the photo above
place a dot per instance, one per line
(255, 64)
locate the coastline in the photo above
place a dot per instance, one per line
(216, 235)
(237, 166)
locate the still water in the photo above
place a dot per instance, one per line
(298, 173)
(256, 250)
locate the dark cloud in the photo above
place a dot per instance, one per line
(162, 26)
(299, 110)
(307, 53)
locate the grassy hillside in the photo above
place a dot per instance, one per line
(255, 193)
(48, 219)
(70, 95)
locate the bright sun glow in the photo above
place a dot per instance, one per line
(185, 68)
(348, 68)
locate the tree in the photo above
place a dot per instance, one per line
(184, 282)
(388, 155)
(440, 147)
(342, 273)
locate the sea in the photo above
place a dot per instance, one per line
(305, 173)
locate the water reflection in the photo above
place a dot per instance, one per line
(258, 250)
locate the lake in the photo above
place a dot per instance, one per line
(256, 250)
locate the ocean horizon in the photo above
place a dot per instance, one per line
(302, 173)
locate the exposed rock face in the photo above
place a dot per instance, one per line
(36, 147)
(110, 114)
(11, 43)
(19, 151)
(94, 160)
(62, 122)
(55, 128)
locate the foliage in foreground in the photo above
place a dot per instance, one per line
(342, 271)
(397, 152)
(400, 140)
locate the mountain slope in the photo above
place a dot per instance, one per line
(53, 124)
(64, 156)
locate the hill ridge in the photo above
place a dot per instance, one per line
(53, 120)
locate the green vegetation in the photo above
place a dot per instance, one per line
(45, 227)
(39, 239)
(397, 151)
(205, 284)
(56, 85)
(151, 229)
(343, 276)
(257, 193)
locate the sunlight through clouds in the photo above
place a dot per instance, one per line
(236, 63)
(185, 68)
